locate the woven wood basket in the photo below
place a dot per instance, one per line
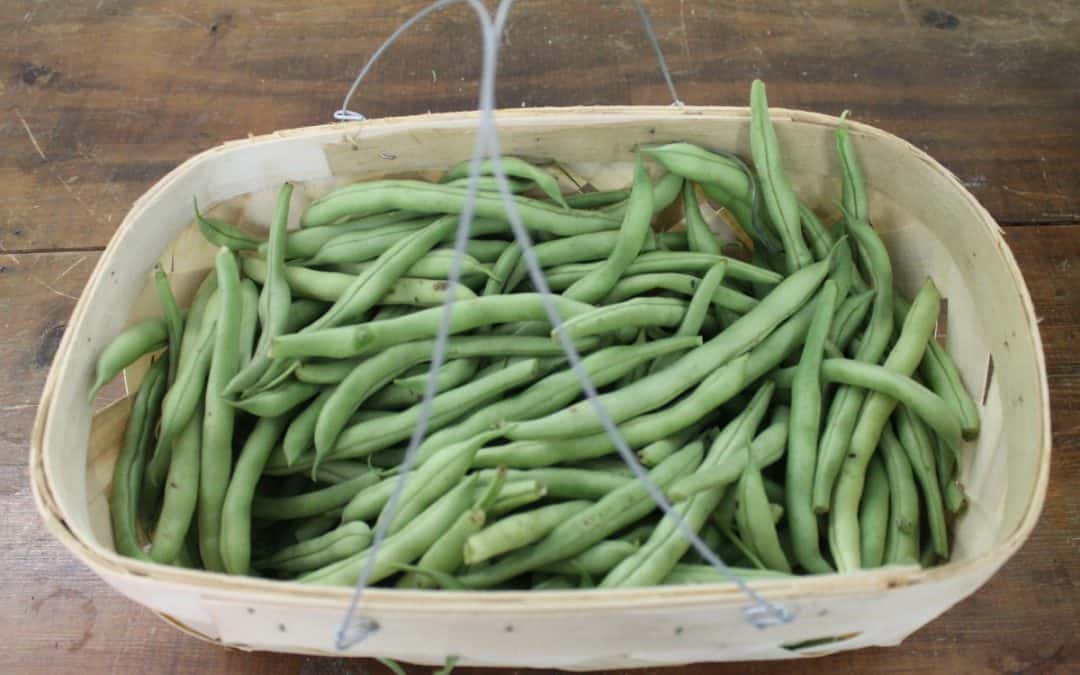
(930, 223)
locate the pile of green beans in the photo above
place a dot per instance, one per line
(794, 406)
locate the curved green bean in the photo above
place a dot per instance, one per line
(376, 196)
(218, 421)
(467, 315)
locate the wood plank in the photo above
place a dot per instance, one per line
(58, 618)
(101, 99)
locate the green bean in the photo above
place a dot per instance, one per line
(903, 359)
(218, 421)
(274, 300)
(556, 390)
(657, 451)
(375, 196)
(939, 371)
(404, 546)
(279, 400)
(702, 239)
(596, 560)
(329, 286)
(651, 262)
(483, 250)
(874, 514)
(721, 385)
(396, 396)
(337, 544)
(685, 574)
(697, 311)
(596, 199)
(946, 467)
(821, 240)
(220, 233)
(310, 528)
(846, 403)
(128, 471)
(519, 530)
(446, 553)
(336, 370)
(683, 284)
(902, 538)
(701, 166)
(664, 547)
(635, 313)
(304, 243)
(181, 494)
(300, 435)
(341, 470)
(435, 265)
(660, 388)
(174, 322)
(666, 190)
(766, 449)
(849, 318)
(249, 322)
(127, 348)
(610, 514)
(453, 373)
(432, 480)
(184, 395)
(367, 437)
(853, 187)
(312, 503)
(916, 442)
(502, 269)
(364, 245)
(490, 184)
(803, 433)
(512, 166)
(515, 495)
(565, 483)
(927, 405)
(235, 512)
(780, 200)
(635, 227)
(565, 250)
(754, 520)
(468, 314)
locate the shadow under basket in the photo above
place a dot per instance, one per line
(931, 225)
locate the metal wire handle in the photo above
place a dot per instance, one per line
(356, 628)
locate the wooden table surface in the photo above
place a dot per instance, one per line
(100, 99)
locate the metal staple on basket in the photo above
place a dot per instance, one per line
(355, 628)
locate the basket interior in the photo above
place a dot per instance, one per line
(931, 225)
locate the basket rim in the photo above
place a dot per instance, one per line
(103, 560)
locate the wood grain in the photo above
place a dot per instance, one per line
(100, 99)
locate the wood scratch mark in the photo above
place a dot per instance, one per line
(76, 197)
(1026, 193)
(53, 290)
(189, 20)
(682, 20)
(17, 406)
(29, 133)
(70, 267)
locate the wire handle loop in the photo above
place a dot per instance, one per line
(355, 628)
